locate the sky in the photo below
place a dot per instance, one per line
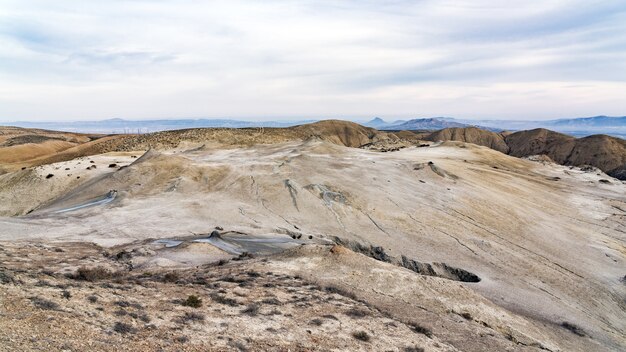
(67, 60)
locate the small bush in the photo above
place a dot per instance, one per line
(92, 299)
(466, 315)
(361, 335)
(421, 329)
(49, 175)
(230, 278)
(357, 313)
(123, 304)
(123, 328)
(144, 317)
(44, 283)
(272, 301)
(45, 304)
(340, 291)
(170, 277)
(6, 277)
(192, 301)
(251, 309)
(191, 317)
(92, 274)
(224, 300)
(182, 339)
(317, 322)
(413, 349)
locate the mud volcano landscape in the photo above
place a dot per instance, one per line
(327, 236)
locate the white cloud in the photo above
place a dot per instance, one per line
(141, 59)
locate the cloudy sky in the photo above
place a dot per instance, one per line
(283, 59)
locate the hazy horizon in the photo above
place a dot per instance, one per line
(295, 118)
(284, 60)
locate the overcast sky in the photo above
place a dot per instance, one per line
(281, 59)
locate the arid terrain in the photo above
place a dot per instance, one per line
(328, 236)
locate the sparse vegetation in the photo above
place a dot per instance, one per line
(361, 335)
(191, 317)
(182, 339)
(413, 349)
(420, 329)
(252, 309)
(224, 300)
(172, 276)
(272, 301)
(45, 304)
(92, 274)
(123, 328)
(340, 291)
(357, 313)
(192, 301)
(5, 277)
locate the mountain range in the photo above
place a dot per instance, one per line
(578, 127)
(122, 126)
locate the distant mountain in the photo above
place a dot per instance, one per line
(117, 125)
(578, 127)
(377, 123)
(424, 124)
(596, 121)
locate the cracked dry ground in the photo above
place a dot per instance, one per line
(243, 305)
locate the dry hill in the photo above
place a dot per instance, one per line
(38, 147)
(604, 152)
(472, 135)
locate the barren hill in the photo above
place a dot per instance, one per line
(604, 152)
(39, 147)
(472, 135)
